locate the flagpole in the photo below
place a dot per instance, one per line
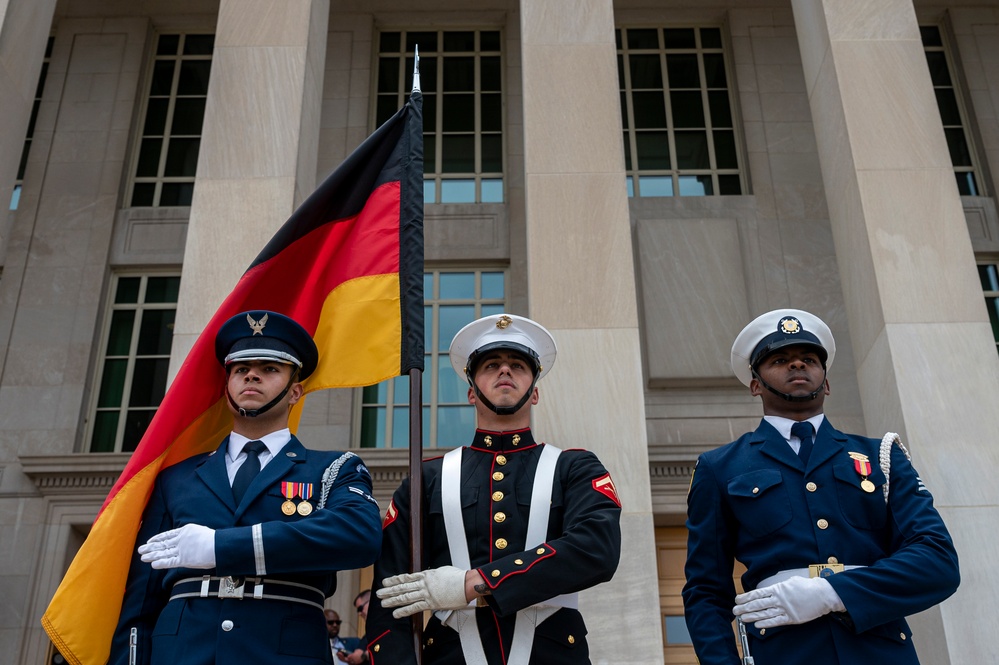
(416, 456)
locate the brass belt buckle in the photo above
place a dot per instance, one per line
(824, 569)
(231, 587)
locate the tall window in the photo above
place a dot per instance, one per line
(461, 79)
(136, 354)
(951, 111)
(679, 132)
(171, 131)
(15, 198)
(452, 299)
(989, 274)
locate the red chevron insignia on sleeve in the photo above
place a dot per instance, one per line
(605, 486)
(390, 515)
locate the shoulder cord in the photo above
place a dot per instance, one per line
(330, 474)
(885, 457)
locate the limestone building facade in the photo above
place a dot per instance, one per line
(641, 176)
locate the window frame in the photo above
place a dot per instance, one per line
(22, 167)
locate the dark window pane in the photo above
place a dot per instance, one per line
(388, 75)
(176, 193)
(459, 41)
(373, 427)
(168, 45)
(105, 429)
(22, 166)
(182, 158)
(937, 63)
(489, 40)
(992, 306)
(492, 113)
(120, 333)
(155, 332)
(688, 109)
(627, 152)
(646, 72)
(492, 153)
(711, 38)
(617, 38)
(649, 110)
(643, 38)
(143, 194)
(459, 113)
(714, 70)
(429, 113)
(930, 35)
(947, 102)
(127, 290)
(620, 71)
(136, 423)
(682, 71)
(148, 381)
(112, 383)
(188, 116)
(199, 44)
(679, 38)
(459, 74)
(490, 77)
(427, 41)
(32, 119)
(966, 184)
(156, 115)
(695, 185)
(41, 77)
(162, 289)
(389, 42)
(387, 106)
(162, 81)
(989, 277)
(728, 185)
(428, 74)
(429, 154)
(149, 158)
(653, 150)
(458, 154)
(692, 150)
(721, 110)
(959, 153)
(194, 77)
(725, 157)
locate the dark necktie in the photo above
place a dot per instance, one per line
(249, 470)
(804, 432)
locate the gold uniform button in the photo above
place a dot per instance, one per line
(756, 490)
(572, 640)
(822, 524)
(501, 543)
(811, 487)
(495, 573)
(430, 642)
(902, 636)
(498, 476)
(763, 631)
(499, 517)
(378, 647)
(497, 496)
(832, 559)
(541, 550)
(519, 562)
(501, 459)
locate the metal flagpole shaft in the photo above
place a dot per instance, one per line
(416, 492)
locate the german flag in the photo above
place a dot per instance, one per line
(348, 266)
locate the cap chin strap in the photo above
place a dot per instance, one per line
(253, 413)
(503, 410)
(791, 398)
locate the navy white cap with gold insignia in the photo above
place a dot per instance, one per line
(264, 335)
(779, 328)
(502, 331)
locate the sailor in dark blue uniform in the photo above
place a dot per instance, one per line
(838, 533)
(513, 527)
(239, 548)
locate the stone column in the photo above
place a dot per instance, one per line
(581, 286)
(24, 31)
(258, 147)
(926, 360)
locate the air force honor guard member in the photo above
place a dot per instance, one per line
(837, 551)
(239, 548)
(513, 527)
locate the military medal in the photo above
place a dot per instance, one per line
(305, 491)
(291, 490)
(305, 508)
(863, 468)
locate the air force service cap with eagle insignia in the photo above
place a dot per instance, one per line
(264, 335)
(502, 331)
(779, 328)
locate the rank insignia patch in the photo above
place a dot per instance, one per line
(390, 515)
(605, 486)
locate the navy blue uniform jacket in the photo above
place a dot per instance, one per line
(497, 476)
(753, 501)
(303, 549)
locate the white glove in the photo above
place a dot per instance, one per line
(796, 600)
(435, 589)
(190, 546)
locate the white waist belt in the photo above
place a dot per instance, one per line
(785, 575)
